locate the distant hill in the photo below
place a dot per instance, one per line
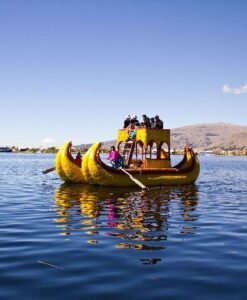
(212, 136)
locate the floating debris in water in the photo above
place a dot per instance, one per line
(48, 264)
(150, 261)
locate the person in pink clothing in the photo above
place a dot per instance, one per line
(114, 157)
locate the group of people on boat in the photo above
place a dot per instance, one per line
(131, 123)
(153, 122)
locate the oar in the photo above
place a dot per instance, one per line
(49, 170)
(134, 179)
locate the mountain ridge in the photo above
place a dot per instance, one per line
(210, 136)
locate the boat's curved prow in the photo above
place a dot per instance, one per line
(190, 164)
(66, 168)
(87, 163)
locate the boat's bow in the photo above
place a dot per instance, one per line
(66, 167)
(189, 165)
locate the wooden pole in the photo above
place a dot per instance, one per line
(134, 179)
(49, 170)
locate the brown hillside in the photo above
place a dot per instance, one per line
(214, 136)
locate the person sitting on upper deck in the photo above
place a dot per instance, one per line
(158, 122)
(135, 120)
(126, 121)
(146, 122)
(115, 158)
(132, 130)
(152, 123)
(78, 159)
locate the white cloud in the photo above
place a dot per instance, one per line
(48, 141)
(236, 91)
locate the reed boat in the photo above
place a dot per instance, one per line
(146, 159)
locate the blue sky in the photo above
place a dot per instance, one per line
(74, 69)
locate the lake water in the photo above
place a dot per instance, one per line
(81, 242)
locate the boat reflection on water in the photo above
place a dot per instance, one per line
(136, 220)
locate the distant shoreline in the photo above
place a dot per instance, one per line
(176, 152)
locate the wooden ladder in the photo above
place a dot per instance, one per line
(128, 152)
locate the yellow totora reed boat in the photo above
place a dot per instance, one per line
(146, 159)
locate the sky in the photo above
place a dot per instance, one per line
(72, 70)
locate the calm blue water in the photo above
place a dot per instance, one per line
(81, 242)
